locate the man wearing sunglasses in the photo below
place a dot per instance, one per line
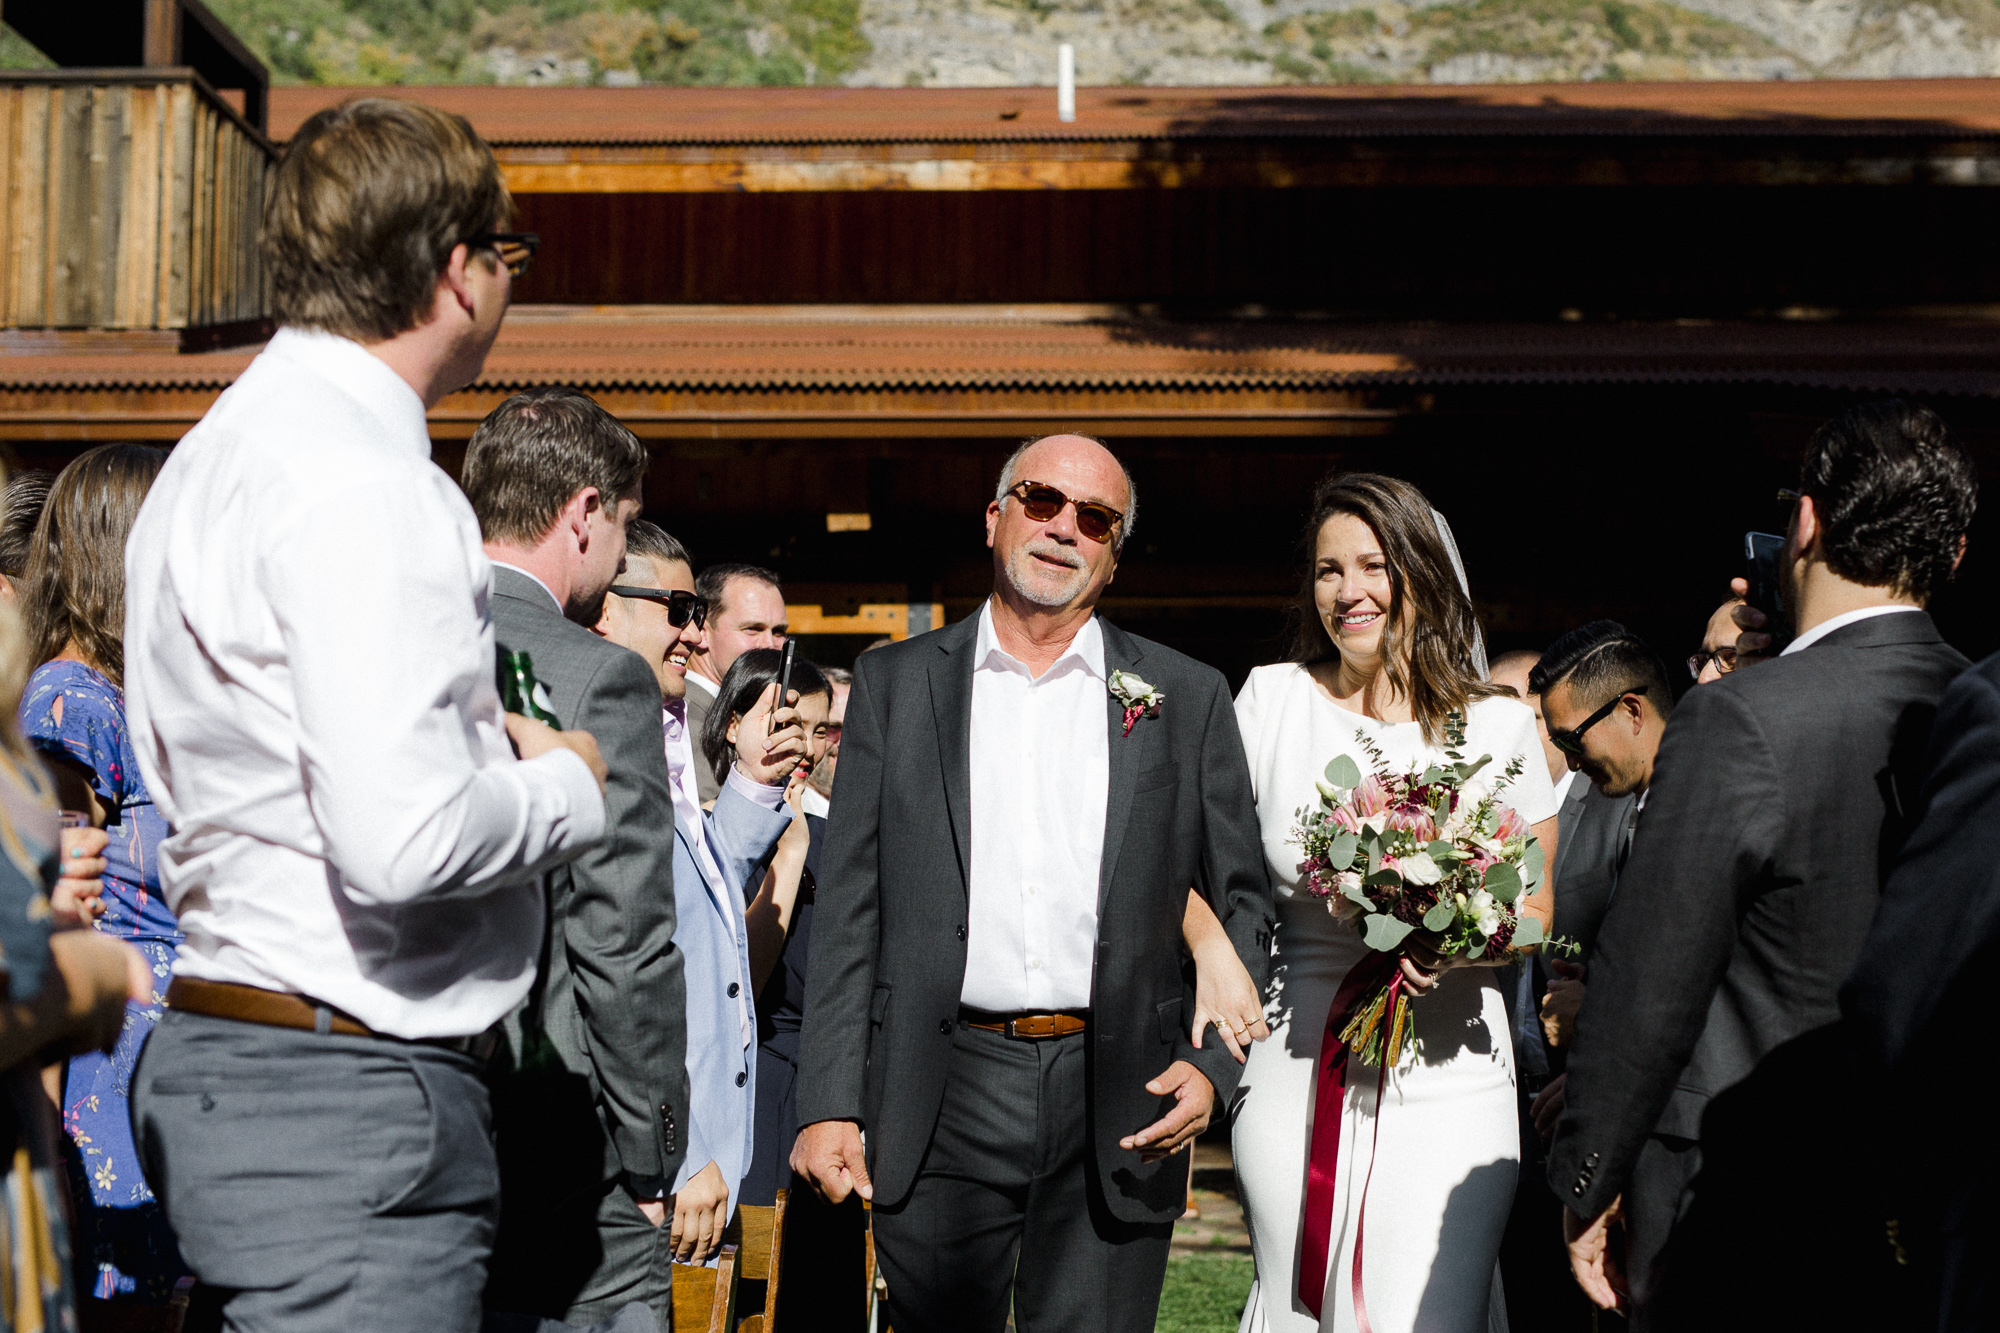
(996, 992)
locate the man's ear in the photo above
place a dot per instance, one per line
(1959, 554)
(577, 514)
(453, 279)
(1805, 528)
(992, 520)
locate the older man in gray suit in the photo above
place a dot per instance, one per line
(996, 991)
(591, 1116)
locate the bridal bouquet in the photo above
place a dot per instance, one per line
(1437, 850)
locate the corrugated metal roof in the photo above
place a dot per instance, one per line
(853, 349)
(744, 116)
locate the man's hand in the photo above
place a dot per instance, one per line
(1547, 1108)
(828, 1153)
(1594, 1257)
(1563, 1001)
(533, 739)
(771, 741)
(1194, 1098)
(701, 1211)
(77, 898)
(1753, 644)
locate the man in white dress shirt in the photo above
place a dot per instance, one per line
(996, 993)
(309, 681)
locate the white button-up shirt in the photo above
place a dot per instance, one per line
(1841, 621)
(309, 684)
(1041, 772)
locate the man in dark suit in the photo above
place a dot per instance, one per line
(996, 992)
(591, 1117)
(1709, 1100)
(1918, 1006)
(1592, 831)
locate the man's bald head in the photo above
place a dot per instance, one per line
(1050, 564)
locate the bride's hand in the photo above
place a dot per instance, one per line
(1422, 964)
(1228, 998)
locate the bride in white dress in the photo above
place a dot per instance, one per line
(1390, 650)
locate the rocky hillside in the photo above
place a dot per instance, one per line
(999, 42)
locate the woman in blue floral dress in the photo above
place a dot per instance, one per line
(73, 714)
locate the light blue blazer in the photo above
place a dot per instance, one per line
(722, 1072)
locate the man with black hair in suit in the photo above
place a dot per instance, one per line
(1713, 1115)
(1592, 830)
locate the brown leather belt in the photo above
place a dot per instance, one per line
(1025, 1027)
(277, 1009)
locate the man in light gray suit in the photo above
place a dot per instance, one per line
(591, 1114)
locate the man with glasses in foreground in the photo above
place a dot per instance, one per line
(356, 849)
(1717, 1117)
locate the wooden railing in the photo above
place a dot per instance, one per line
(129, 199)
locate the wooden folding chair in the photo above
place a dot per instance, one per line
(760, 1232)
(705, 1298)
(878, 1289)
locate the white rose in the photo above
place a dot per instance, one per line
(1130, 685)
(1485, 912)
(1418, 868)
(1376, 823)
(1472, 793)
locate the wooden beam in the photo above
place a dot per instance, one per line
(162, 43)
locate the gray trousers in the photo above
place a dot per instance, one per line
(1008, 1202)
(327, 1183)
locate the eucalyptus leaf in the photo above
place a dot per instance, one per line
(1528, 931)
(1440, 916)
(1374, 852)
(1385, 932)
(1465, 771)
(1383, 877)
(1340, 852)
(1442, 851)
(1431, 774)
(1343, 773)
(1503, 881)
(1476, 947)
(1353, 894)
(1532, 863)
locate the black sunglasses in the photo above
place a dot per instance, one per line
(1042, 502)
(1571, 741)
(515, 248)
(682, 606)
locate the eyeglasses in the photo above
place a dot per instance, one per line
(682, 606)
(515, 248)
(1724, 659)
(1571, 741)
(1042, 502)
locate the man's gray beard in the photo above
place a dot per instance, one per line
(1021, 571)
(821, 779)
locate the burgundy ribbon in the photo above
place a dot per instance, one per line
(1329, 1103)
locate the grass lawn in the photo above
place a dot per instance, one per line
(1204, 1294)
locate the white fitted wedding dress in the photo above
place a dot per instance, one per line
(1449, 1145)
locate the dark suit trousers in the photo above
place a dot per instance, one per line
(1008, 1199)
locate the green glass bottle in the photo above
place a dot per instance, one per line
(520, 692)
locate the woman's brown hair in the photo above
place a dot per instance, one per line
(74, 587)
(1436, 670)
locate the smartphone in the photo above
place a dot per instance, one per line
(785, 670)
(1761, 550)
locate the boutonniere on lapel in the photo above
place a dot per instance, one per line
(1139, 698)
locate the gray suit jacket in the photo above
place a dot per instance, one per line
(1781, 797)
(699, 702)
(610, 996)
(1591, 833)
(889, 936)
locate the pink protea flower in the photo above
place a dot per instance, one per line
(1344, 819)
(1371, 797)
(1511, 824)
(1414, 820)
